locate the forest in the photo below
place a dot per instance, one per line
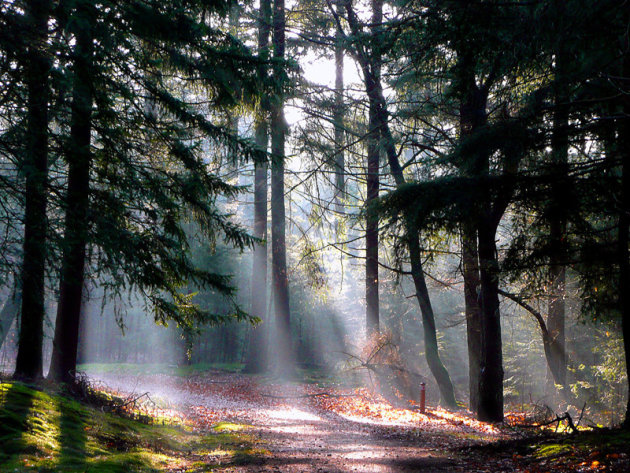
(314, 235)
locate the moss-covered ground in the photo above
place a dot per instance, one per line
(595, 450)
(43, 431)
(586, 451)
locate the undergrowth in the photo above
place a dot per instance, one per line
(44, 431)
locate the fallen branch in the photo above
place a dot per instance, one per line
(132, 401)
(566, 416)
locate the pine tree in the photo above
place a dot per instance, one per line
(278, 218)
(257, 356)
(132, 142)
(78, 157)
(372, 184)
(37, 64)
(374, 90)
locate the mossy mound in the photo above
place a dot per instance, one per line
(42, 431)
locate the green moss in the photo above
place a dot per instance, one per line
(46, 432)
(584, 444)
(552, 450)
(229, 427)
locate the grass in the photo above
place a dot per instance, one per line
(45, 432)
(313, 376)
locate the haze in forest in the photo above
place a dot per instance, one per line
(383, 194)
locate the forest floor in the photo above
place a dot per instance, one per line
(303, 427)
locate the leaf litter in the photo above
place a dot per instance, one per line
(309, 428)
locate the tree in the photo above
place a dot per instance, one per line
(129, 194)
(9, 312)
(372, 183)
(256, 359)
(37, 62)
(78, 156)
(374, 91)
(278, 219)
(338, 121)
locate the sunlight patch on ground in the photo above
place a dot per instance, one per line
(295, 429)
(292, 414)
(366, 408)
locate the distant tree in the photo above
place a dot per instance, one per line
(338, 121)
(278, 217)
(257, 356)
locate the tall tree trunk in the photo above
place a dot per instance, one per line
(65, 344)
(338, 113)
(472, 116)
(257, 350)
(470, 270)
(37, 70)
(278, 221)
(371, 226)
(257, 354)
(491, 373)
(483, 315)
(374, 91)
(432, 354)
(371, 236)
(559, 149)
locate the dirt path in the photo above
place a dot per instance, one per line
(307, 432)
(303, 441)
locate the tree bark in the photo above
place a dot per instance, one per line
(338, 112)
(552, 349)
(257, 361)
(432, 354)
(559, 150)
(371, 240)
(470, 270)
(372, 178)
(65, 344)
(472, 116)
(37, 70)
(491, 373)
(257, 354)
(285, 361)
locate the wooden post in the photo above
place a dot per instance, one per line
(423, 395)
